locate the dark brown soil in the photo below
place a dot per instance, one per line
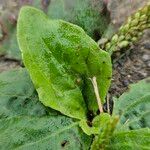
(131, 66)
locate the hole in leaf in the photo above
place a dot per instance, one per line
(64, 143)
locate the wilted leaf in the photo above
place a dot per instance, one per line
(26, 124)
(61, 58)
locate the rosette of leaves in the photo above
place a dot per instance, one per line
(62, 60)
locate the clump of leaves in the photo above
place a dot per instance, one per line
(72, 76)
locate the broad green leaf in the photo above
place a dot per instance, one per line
(26, 124)
(130, 140)
(133, 107)
(134, 92)
(61, 58)
(137, 115)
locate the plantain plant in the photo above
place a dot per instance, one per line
(71, 75)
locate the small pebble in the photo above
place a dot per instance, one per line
(145, 57)
(129, 76)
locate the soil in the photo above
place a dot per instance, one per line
(132, 64)
(129, 66)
